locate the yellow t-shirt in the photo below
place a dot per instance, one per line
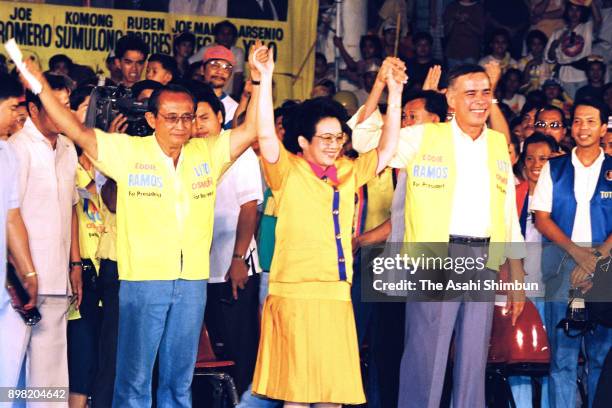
(380, 196)
(107, 246)
(164, 214)
(313, 231)
(89, 217)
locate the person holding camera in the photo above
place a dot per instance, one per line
(573, 213)
(165, 203)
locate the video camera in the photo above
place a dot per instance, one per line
(106, 102)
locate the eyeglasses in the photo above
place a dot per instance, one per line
(172, 119)
(218, 64)
(329, 138)
(553, 125)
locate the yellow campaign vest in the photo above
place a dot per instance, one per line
(430, 187)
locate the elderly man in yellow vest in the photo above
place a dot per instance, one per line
(165, 202)
(459, 191)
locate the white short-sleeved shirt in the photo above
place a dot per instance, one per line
(230, 106)
(470, 214)
(9, 199)
(568, 51)
(239, 185)
(47, 192)
(585, 181)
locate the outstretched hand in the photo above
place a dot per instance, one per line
(432, 79)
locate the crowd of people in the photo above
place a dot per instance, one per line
(247, 223)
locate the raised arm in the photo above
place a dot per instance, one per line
(496, 117)
(351, 64)
(371, 103)
(391, 129)
(269, 145)
(67, 123)
(244, 135)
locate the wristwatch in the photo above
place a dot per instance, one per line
(79, 263)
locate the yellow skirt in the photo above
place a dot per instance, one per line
(308, 348)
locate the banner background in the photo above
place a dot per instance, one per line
(86, 35)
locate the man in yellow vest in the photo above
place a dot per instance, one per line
(165, 202)
(459, 191)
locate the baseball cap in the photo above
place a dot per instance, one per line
(219, 52)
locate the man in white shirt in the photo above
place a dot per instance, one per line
(47, 195)
(218, 64)
(573, 212)
(13, 235)
(233, 285)
(467, 211)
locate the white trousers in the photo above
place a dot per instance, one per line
(43, 347)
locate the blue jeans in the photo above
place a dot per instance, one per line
(164, 317)
(564, 350)
(564, 357)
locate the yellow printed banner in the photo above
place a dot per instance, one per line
(87, 35)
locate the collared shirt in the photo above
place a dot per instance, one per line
(240, 184)
(330, 172)
(9, 199)
(230, 106)
(47, 193)
(164, 212)
(471, 202)
(585, 181)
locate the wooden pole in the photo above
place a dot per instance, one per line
(397, 34)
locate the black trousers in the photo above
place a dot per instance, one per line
(83, 335)
(108, 287)
(233, 327)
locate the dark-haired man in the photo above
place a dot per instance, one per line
(47, 196)
(13, 234)
(418, 66)
(226, 34)
(165, 201)
(596, 76)
(130, 55)
(572, 209)
(218, 65)
(234, 262)
(550, 120)
(9, 101)
(471, 200)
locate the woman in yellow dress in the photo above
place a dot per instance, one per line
(308, 350)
